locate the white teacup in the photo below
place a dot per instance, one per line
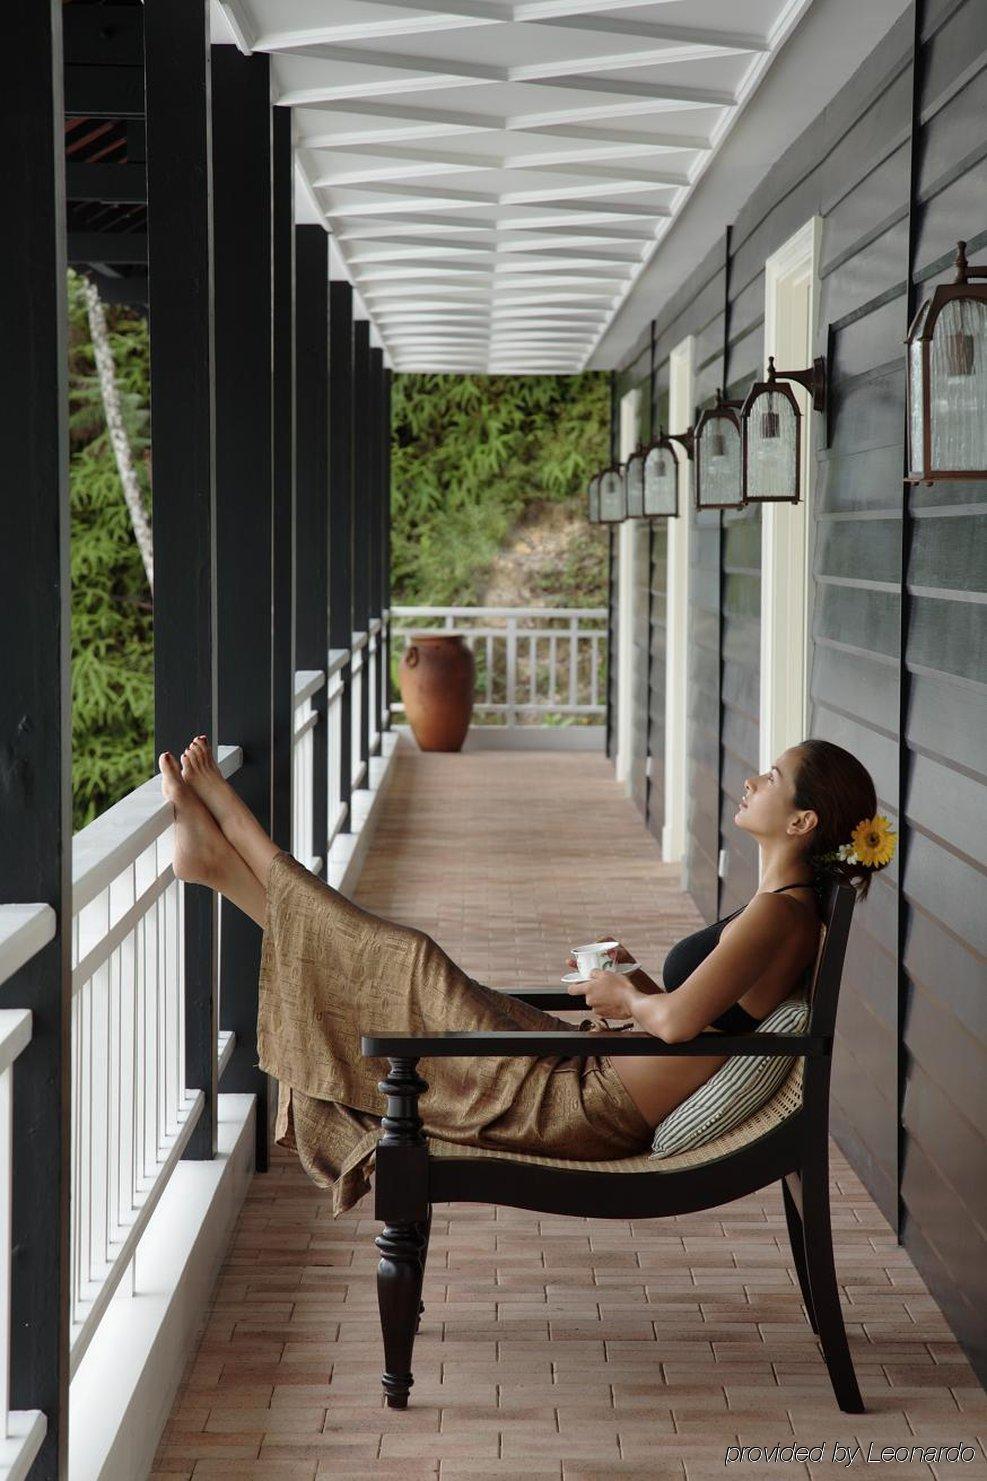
(596, 956)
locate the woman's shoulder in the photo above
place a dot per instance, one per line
(779, 916)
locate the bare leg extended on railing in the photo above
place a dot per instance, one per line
(203, 855)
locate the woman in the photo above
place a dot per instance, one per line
(331, 971)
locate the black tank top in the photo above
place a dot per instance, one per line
(685, 956)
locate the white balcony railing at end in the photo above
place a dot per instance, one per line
(131, 1112)
(534, 665)
(24, 931)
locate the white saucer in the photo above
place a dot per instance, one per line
(570, 978)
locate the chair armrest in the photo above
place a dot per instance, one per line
(549, 999)
(518, 1043)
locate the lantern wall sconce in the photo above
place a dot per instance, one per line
(947, 380)
(634, 482)
(661, 477)
(720, 456)
(613, 495)
(771, 423)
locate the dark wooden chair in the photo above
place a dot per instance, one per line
(786, 1141)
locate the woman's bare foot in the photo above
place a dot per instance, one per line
(237, 823)
(199, 845)
(200, 771)
(202, 855)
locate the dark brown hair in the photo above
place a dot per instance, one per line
(840, 791)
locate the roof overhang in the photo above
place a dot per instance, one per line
(515, 185)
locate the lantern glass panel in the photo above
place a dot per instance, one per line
(772, 451)
(594, 501)
(958, 386)
(661, 475)
(634, 479)
(719, 463)
(916, 424)
(613, 503)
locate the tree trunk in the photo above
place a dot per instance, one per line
(119, 441)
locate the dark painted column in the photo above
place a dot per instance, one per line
(375, 501)
(283, 412)
(611, 721)
(364, 436)
(180, 275)
(341, 515)
(385, 575)
(241, 124)
(35, 706)
(312, 493)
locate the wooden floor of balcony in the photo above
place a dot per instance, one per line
(565, 1348)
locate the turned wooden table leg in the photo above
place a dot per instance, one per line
(398, 1287)
(402, 1202)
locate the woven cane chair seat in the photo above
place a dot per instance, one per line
(783, 1104)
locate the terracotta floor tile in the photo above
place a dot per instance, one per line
(576, 1349)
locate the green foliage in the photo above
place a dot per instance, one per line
(474, 457)
(112, 657)
(471, 455)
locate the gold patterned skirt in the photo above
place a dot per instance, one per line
(330, 972)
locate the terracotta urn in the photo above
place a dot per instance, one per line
(436, 676)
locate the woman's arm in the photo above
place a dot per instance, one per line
(762, 936)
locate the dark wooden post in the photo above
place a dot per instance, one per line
(35, 714)
(385, 575)
(374, 502)
(241, 125)
(283, 410)
(312, 495)
(341, 515)
(180, 278)
(364, 437)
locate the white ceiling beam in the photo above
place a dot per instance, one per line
(626, 171)
(529, 253)
(433, 123)
(456, 15)
(412, 75)
(558, 226)
(709, 40)
(578, 198)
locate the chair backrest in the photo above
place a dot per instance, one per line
(824, 989)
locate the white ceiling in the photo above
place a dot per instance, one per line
(497, 175)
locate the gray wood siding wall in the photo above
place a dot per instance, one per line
(898, 625)
(944, 939)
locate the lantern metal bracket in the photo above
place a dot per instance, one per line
(813, 379)
(686, 439)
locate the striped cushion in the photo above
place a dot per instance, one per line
(737, 1089)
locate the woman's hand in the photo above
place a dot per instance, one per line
(607, 993)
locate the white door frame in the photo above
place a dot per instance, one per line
(626, 532)
(681, 390)
(791, 305)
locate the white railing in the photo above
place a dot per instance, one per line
(357, 678)
(337, 810)
(373, 659)
(131, 1113)
(358, 665)
(24, 930)
(534, 665)
(307, 683)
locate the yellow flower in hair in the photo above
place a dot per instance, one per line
(873, 841)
